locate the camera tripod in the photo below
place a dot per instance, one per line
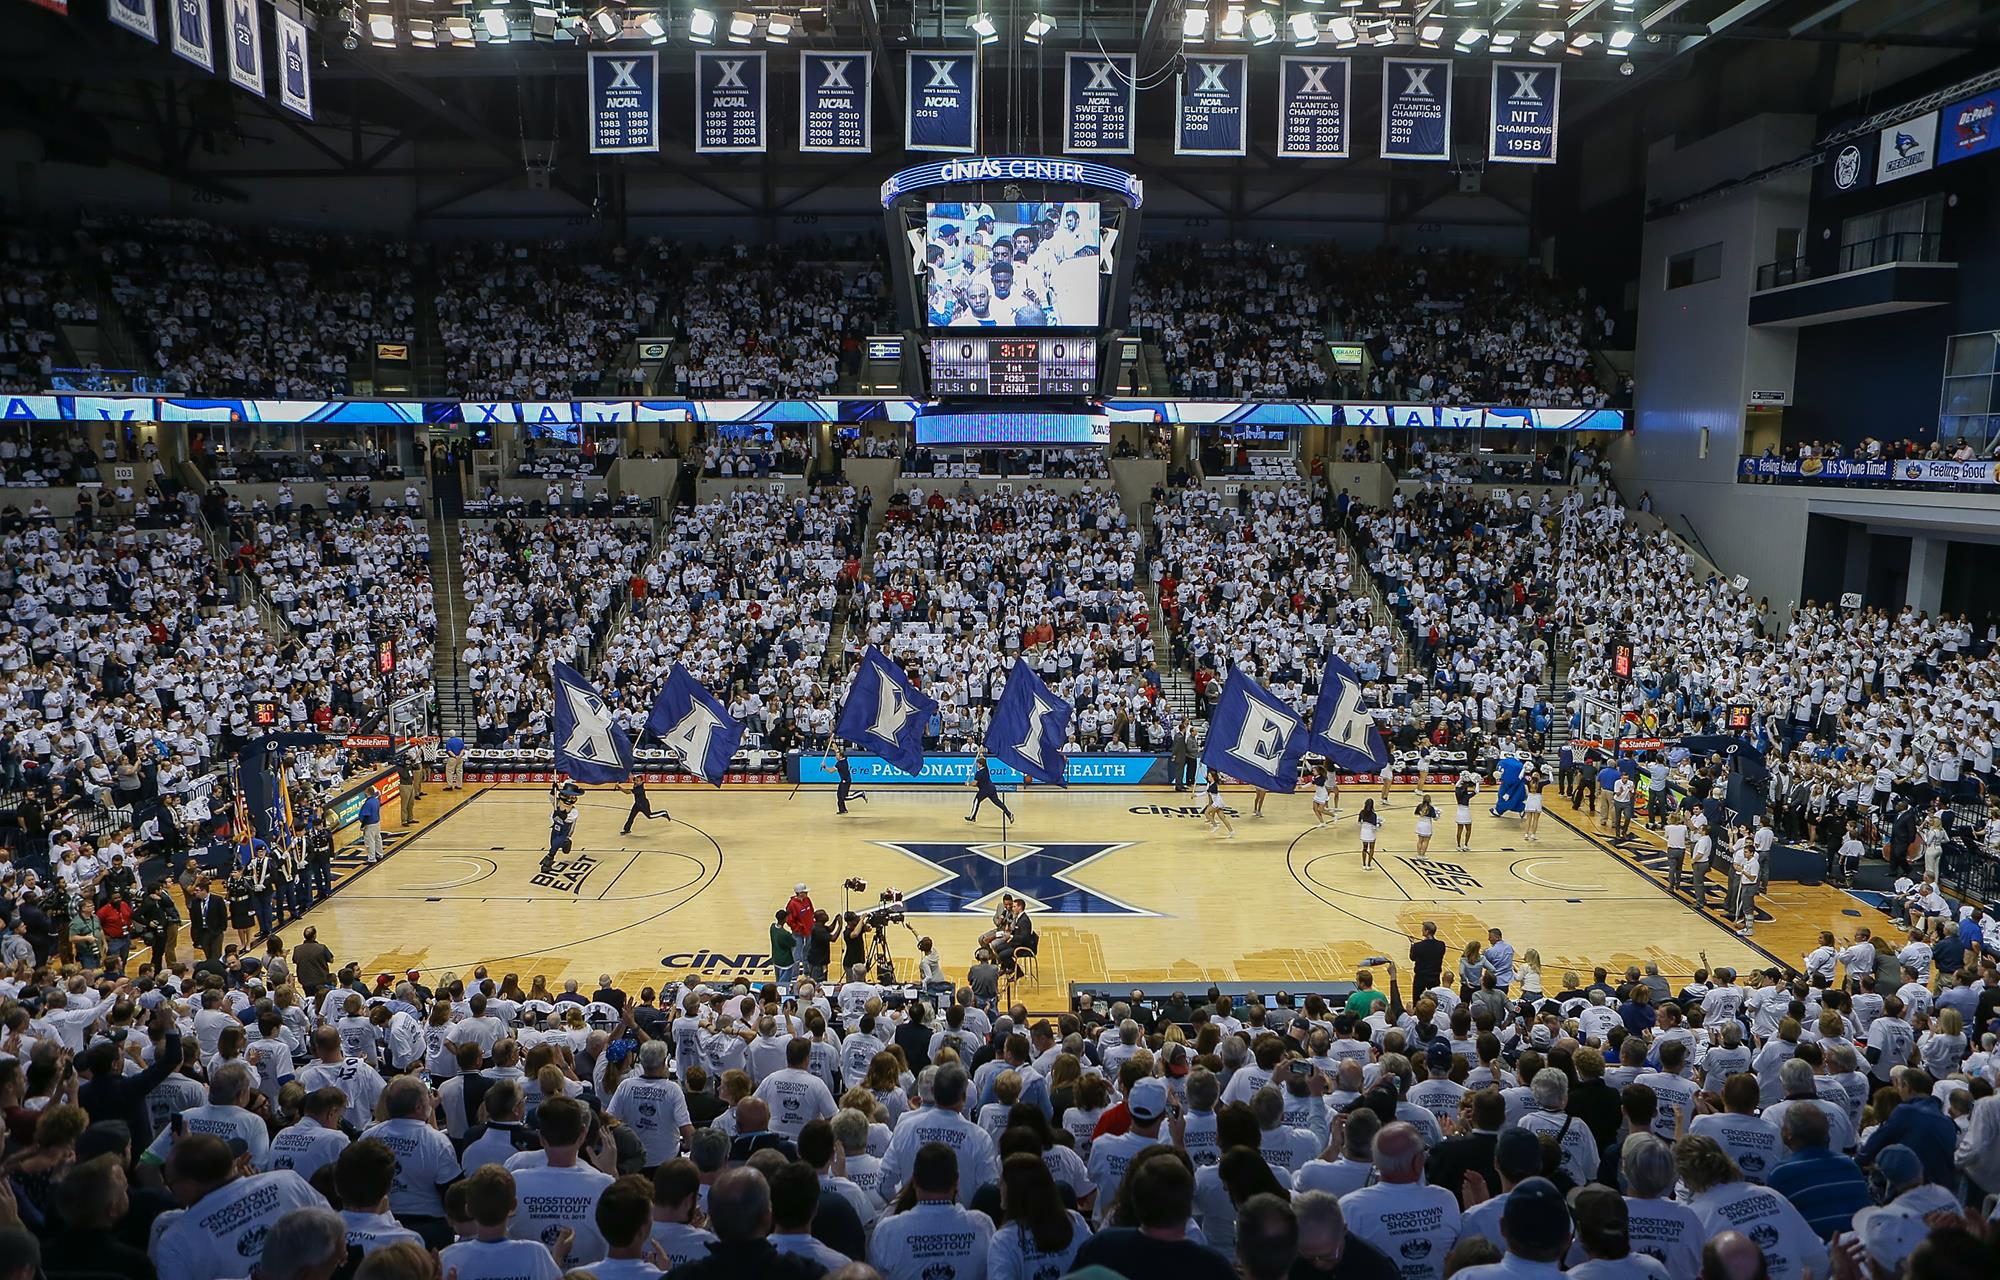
(880, 960)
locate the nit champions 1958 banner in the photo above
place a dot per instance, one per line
(1312, 107)
(729, 101)
(1211, 114)
(624, 102)
(1525, 100)
(1102, 97)
(835, 113)
(941, 111)
(1416, 108)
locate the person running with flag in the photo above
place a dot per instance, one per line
(642, 806)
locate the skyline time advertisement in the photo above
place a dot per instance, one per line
(1526, 102)
(295, 86)
(941, 106)
(1102, 98)
(192, 37)
(729, 102)
(246, 46)
(836, 116)
(1313, 98)
(136, 16)
(1213, 105)
(1416, 108)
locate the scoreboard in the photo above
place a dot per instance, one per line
(1026, 366)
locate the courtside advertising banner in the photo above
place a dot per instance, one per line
(295, 86)
(1312, 108)
(624, 102)
(192, 38)
(1416, 109)
(729, 102)
(1103, 99)
(1525, 100)
(246, 46)
(1210, 117)
(941, 111)
(135, 16)
(835, 115)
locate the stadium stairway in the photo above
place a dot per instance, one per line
(457, 713)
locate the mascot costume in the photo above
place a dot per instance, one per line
(1512, 796)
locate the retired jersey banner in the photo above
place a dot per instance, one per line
(295, 86)
(1312, 108)
(835, 114)
(1525, 98)
(729, 101)
(1210, 118)
(941, 109)
(1102, 98)
(135, 16)
(246, 46)
(1416, 108)
(624, 102)
(192, 38)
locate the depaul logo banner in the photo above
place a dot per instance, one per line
(1102, 97)
(1525, 98)
(729, 101)
(1416, 108)
(624, 102)
(295, 86)
(246, 46)
(135, 16)
(836, 116)
(941, 111)
(1112, 770)
(1967, 128)
(192, 38)
(1211, 114)
(1313, 108)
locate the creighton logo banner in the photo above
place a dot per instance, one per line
(624, 102)
(1525, 97)
(941, 111)
(1213, 105)
(1102, 96)
(1416, 108)
(1254, 737)
(836, 115)
(729, 101)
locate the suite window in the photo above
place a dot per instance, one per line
(1694, 266)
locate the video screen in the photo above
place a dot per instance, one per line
(1012, 266)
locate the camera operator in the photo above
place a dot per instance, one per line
(854, 941)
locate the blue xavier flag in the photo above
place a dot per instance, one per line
(589, 747)
(1342, 729)
(688, 718)
(1254, 737)
(885, 713)
(1029, 726)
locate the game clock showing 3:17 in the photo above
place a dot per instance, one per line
(1013, 366)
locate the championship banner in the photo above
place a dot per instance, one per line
(192, 38)
(1966, 128)
(1212, 106)
(835, 114)
(729, 102)
(624, 102)
(1416, 109)
(1526, 96)
(1102, 96)
(295, 86)
(941, 104)
(246, 46)
(1313, 96)
(135, 16)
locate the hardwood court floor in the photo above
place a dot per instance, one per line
(1130, 887)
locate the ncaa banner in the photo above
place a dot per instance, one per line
(295, 86)
(624, 102)
(192, 38)
(1312, 108)
(135, 16)
(941, 106)
(1213, 106)
(1416, 108)
(835, 115)
(1525, 99)
(1907, 149)
(1967, 128)
(246, 46)
(1102, 97)
(729, 101)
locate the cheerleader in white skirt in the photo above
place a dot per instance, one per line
(1464, 793)
(1212, 808)
(1426, 823)
(1370, 825)
(1322, 805)
(1531, 808)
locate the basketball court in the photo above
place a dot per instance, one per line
(1127, 885)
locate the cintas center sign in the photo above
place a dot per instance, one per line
(1074, 173)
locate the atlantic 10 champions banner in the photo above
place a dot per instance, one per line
(1101, 97)
(1312, 108)
(1416, 108)
(729, 101)
(941, 111)
(1211, 115)
(835, 114)
(1525, 100)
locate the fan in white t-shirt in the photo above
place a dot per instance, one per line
(1725, 1202)
(1413, 1224)
(228, 1217)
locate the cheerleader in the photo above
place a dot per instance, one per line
(1387, 769)
(1426, 823)
(1257, 805)
(1212, 807)
(1370, 826)
(1463, 794)
(1531, 810)
(1322, 808)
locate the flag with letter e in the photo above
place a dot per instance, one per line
(1254, 737)
(1342, 729)
(589, 747)
(688, 719)
(1029, 726)
(885, 713)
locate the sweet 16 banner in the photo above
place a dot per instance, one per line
(1312, 108)
(246, 46)
(1525, 100)
(624, 102)
(729, 101)
(295, 86)
(191, 36)
(941, 111)
(135, 16)
(1416, 109)
(1213, 105)
(835, 115)
(1103, 97)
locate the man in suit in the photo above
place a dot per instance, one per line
(208, 921)
(1184, 757)
(1472, 1152)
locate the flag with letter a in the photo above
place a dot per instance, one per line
(1254, 737)
(1029, 726)
(688, 719)
(1342, 729)
(589, 747)
(885, 713)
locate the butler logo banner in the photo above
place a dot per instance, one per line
(835, 115)
(192, 38)
(1209, 119)
(1907, 149)
(135, 16)
(624, 102)
(729, 101)
(941, 111)
(1102, 96)
(246, 46)
(1312, 107)
(1416, 109)
(1525, 97)
(295, 86)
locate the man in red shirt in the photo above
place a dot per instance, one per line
(115, 917)
(799, 915)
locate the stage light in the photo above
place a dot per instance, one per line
(1543, 39)
(495, 22)
(543, 22)
(608, 23)
(459, 28)
(423, 33)
(1431, 32)
(1583, 39)
(1471, 36)
(741, 26)
(1305, 29)
(981, 24)
(1263, 27)
(1039, 28)
(1621, 38)
(778, 28)
(701, 26)
(1231, 25)
(1503, 40)
(382, 28)
(1194, 23)
(1341, 27)
(652, 26)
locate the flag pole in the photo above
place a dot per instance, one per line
(826, 745)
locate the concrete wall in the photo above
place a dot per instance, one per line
(647, 477)
(1366, 482)
(1134, 479)
(877, 474)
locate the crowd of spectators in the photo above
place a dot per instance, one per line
(547, 321)
(1234, 320)
(39, 293)
(47, 455)
(1032, 464)
(787, 453)
(773, 324)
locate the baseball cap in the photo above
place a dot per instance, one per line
(1438, 1056)
(1899, 1165)
(800, 887)
(1535, 1216)
(1889, 1235)
(1176, 1057)
(1517, 1153)
(1603, 1224)
(1542, 1036)
(1148, 1100)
